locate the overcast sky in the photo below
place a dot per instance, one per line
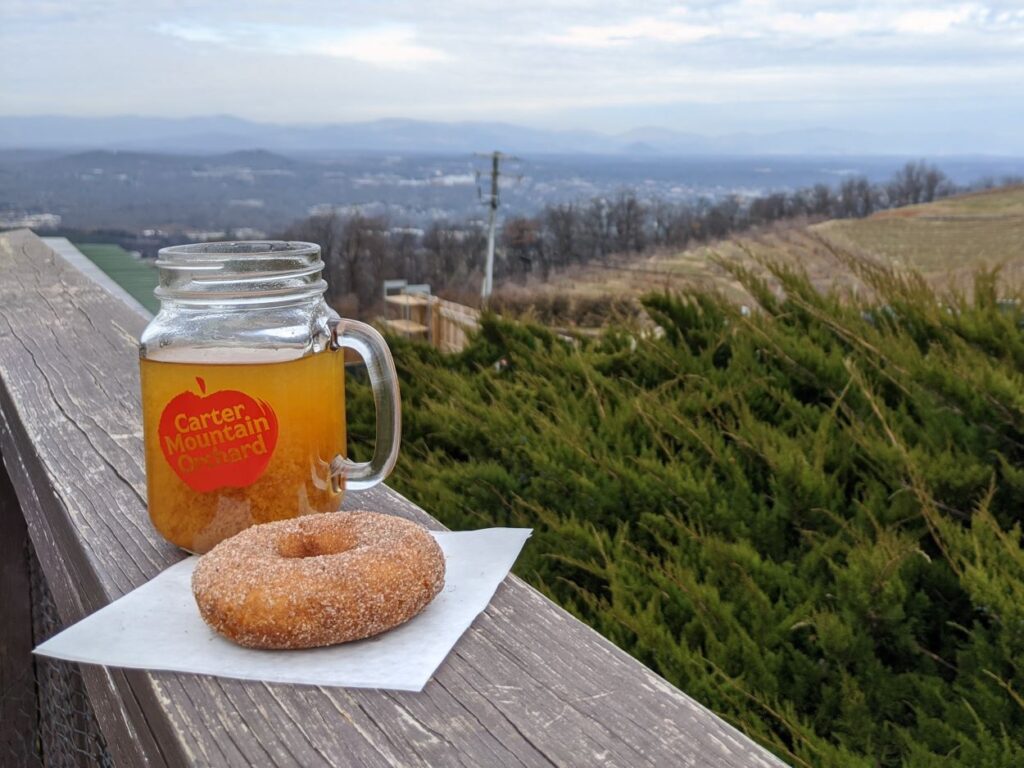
(709, 67)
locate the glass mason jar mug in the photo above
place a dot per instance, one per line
(243, 392)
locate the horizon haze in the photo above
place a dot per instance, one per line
(228, 133)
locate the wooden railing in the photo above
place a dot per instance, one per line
(451, 324)
(446, 325)
(526, 685)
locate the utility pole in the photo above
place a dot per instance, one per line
(492, 218)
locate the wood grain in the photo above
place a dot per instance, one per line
(18, 706)
(528, 685)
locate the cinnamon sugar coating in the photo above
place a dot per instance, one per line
(318, 580)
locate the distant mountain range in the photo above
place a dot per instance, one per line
(224, 133)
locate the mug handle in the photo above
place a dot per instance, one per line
(370, 345)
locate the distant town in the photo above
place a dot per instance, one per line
(144, 200)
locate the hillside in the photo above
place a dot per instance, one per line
(946, 241)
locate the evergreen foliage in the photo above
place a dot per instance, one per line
(808, 518)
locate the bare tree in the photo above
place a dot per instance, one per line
(768, 208)
(626, 216)
(363, 253)
(596, 230)
(521, 238)
(916, 183)
(454, 252)
(326, 230)
(719, 218)
(660, 215)
(820, 200)
(561, 225)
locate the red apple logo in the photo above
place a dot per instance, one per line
(221, 440)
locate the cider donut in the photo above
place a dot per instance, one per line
(318, 580)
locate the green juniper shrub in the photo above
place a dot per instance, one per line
(808, 517)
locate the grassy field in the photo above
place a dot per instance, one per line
(946, 242)
(136, 276)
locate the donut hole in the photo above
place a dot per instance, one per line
(300, 544)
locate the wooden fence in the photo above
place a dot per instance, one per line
(445, 324)
(451, 324)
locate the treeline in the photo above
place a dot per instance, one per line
(362, 251)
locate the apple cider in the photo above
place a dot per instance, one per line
(230, 445)
(243, 391)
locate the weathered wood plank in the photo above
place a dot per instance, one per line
(527, 685)
(18, 706)
(63, 247)
(75, 585)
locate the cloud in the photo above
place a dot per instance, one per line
(392, 46)
(539, 61)
(934, 22)
(387, 47)
(883, 21)
(636, 30)
(192, 33)
(768, 20)
(764, 19)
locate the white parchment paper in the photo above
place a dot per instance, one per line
(158, 626)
